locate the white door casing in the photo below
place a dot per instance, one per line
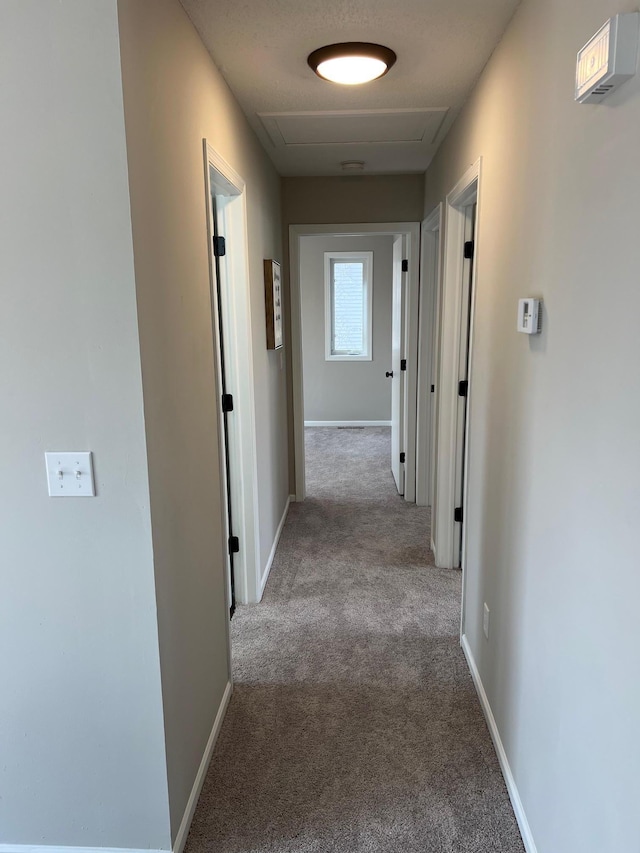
(397, 378)
(428, 342)
(436, 334)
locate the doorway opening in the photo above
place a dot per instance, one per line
(363, 377)
(230, 319)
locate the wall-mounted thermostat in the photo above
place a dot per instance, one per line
(530, 315)
(608, 59)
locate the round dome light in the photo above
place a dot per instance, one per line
(351, 63)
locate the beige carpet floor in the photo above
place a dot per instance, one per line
(354, 725)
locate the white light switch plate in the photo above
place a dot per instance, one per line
(70, 475)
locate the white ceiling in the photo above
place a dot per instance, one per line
(307, 125)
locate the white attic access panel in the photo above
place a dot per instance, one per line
(347, 127)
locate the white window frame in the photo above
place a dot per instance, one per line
(367, 260)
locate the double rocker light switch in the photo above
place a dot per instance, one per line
(70, 475)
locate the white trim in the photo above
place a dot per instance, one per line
(427, 338)
(347, 423)
(272, 553)
(235, 184)
(51, 848)
(411, 232)
(465, 192)
(297, 381)
(192, 802)
(512, 788)
(183, 831)
(236, 316)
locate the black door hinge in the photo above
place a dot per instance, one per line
(403, 364)
(433, 388)
(219, 247)
(227, 402)
(234, 544)
(457, 514)
(405, 265)
(463, 388)
(402, 457)
(469, 247)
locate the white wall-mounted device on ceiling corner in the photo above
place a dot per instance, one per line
(608, 59)
(530, 315)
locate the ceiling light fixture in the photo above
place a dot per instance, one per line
(352, 165)
(352, 62)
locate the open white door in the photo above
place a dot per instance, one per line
(231, 317)
(397, 375)
(463, 375)
(454, 395)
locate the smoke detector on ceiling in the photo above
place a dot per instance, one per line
(608, 59)
(352, 165)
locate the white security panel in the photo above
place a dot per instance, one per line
(608, 58)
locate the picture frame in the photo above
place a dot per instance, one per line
(273, 303)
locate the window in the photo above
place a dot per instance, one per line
(348, 292)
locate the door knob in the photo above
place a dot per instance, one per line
(389, 373)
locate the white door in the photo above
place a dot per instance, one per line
(397, 375)
(463, 376)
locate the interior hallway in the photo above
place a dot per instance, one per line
(354, 724)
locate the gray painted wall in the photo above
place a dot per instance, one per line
(554, 454)
(112, 677)
(81, 729)
(352, 198)
(161, 52)
(342, 390)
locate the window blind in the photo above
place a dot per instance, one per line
(348, 308)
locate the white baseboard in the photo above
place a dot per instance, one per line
(276, 539)
(512, 788)
(185, 825)
(347, 423)
(52, 848)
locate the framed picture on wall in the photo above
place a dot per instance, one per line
(273, 302)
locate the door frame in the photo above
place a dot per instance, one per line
(411, 232)
(463, 194)
(428, 348)
(236, 319)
